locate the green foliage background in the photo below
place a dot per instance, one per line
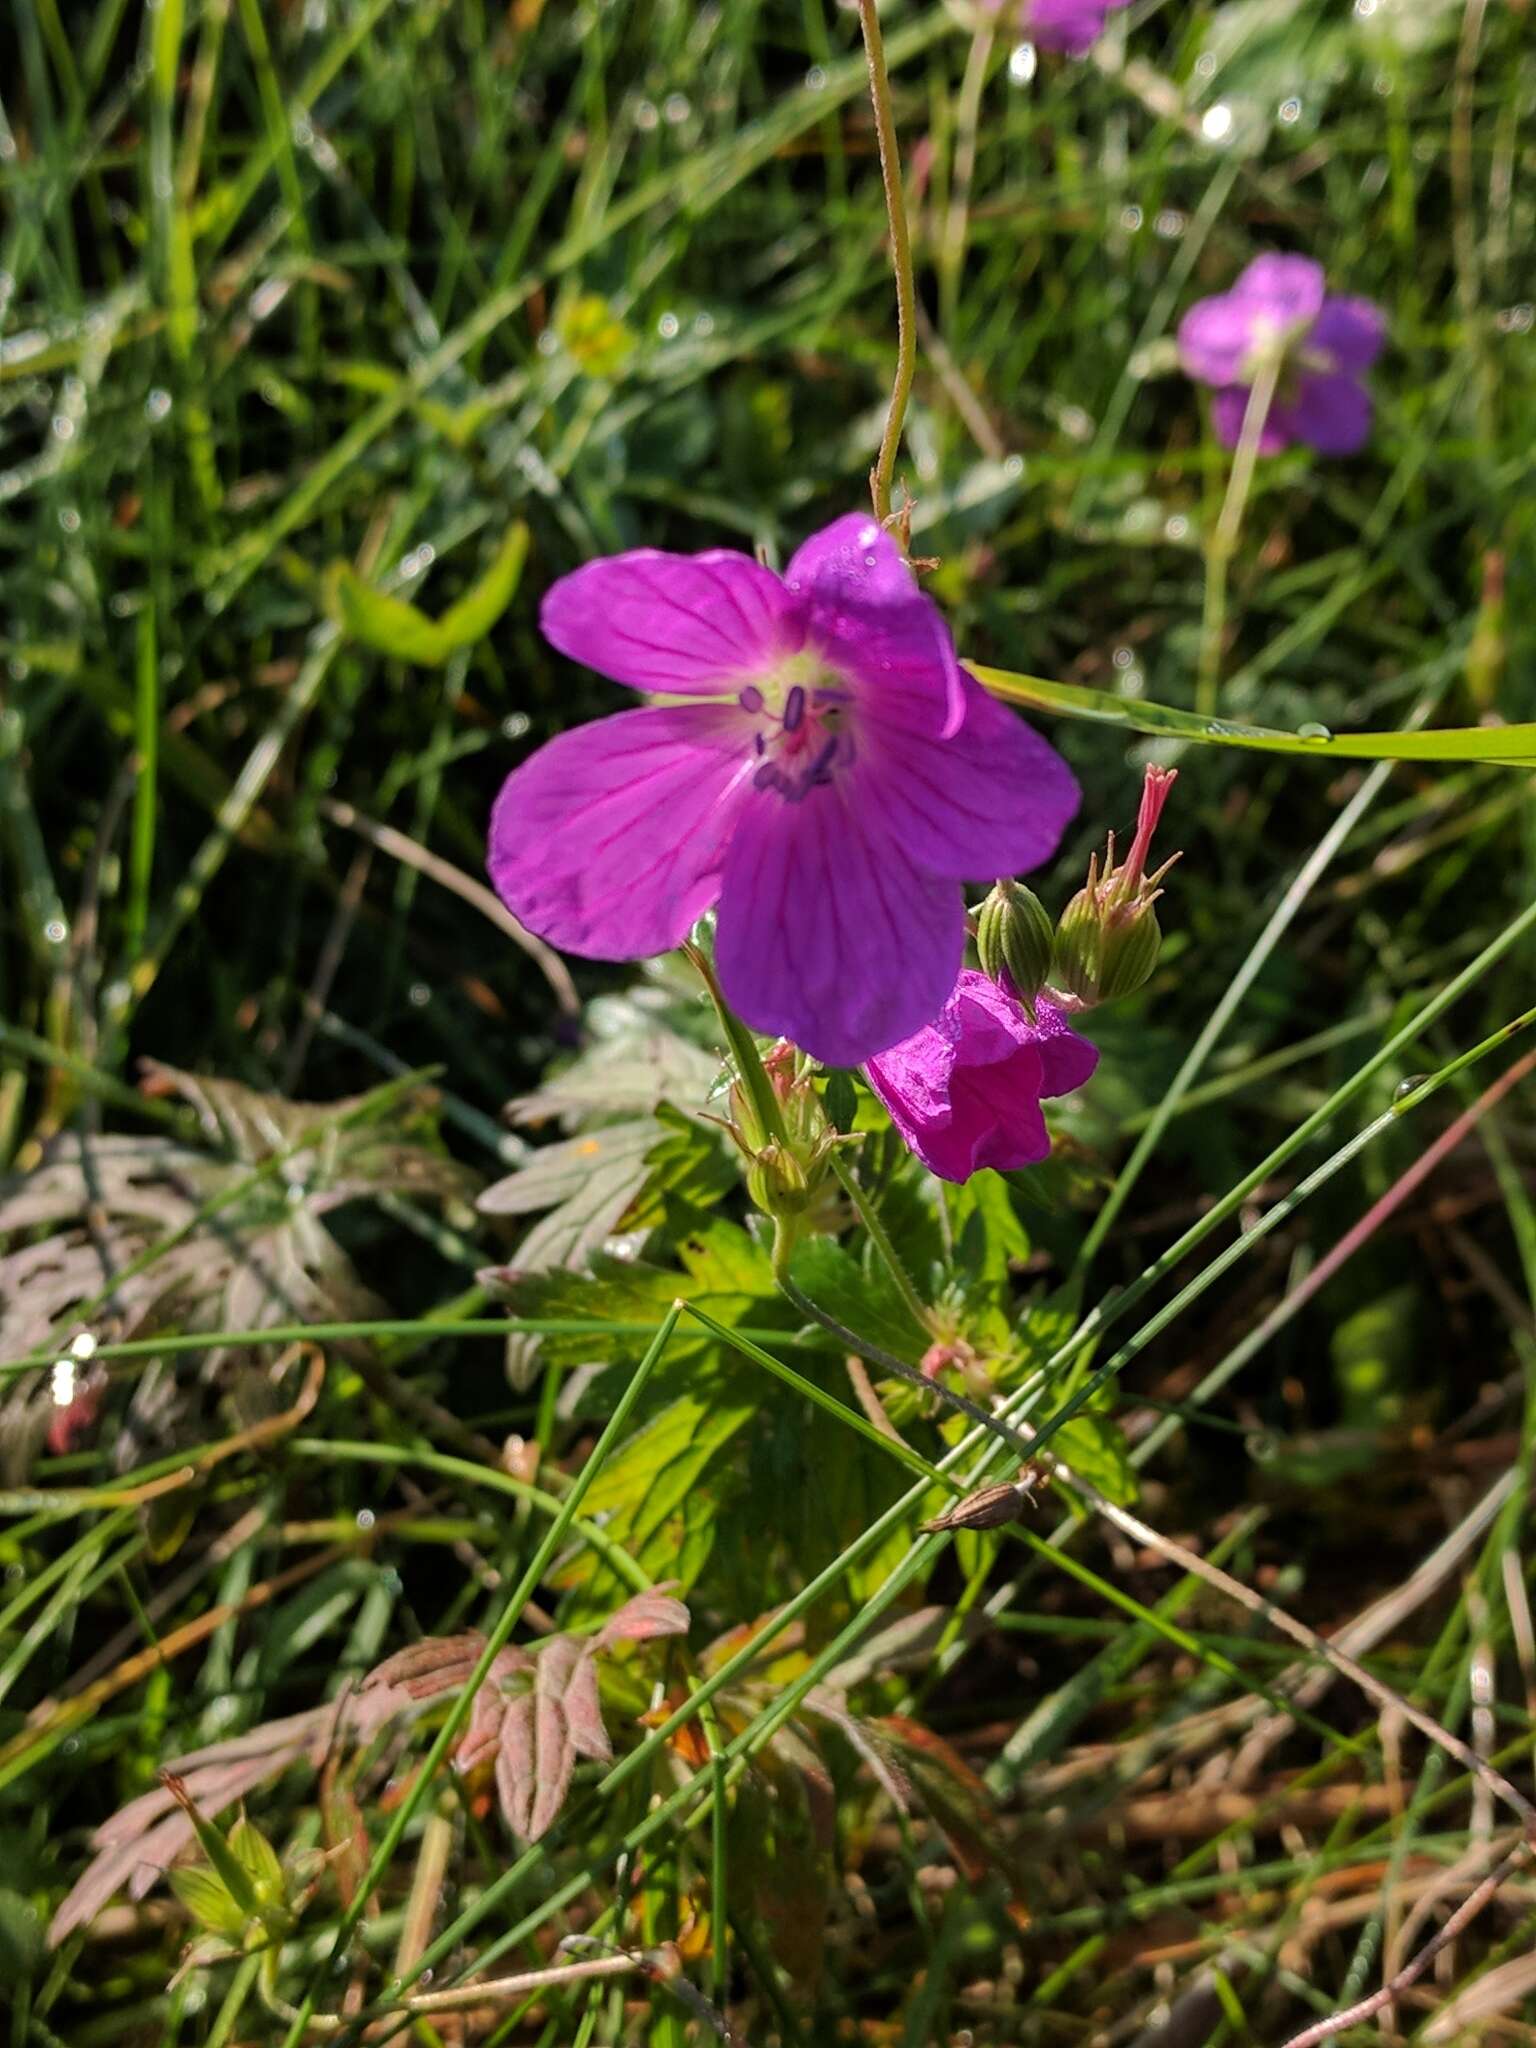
(313, 311)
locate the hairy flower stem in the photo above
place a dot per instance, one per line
(879, 1237)
(901, 260)
(1222, 545)
(1020, 1440)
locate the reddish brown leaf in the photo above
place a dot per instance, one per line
(478, 1742)
(645, 1616)
(953, 1794)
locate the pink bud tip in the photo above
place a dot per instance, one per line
(1154, 794)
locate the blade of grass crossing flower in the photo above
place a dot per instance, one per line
(496, 1641)
(1501, 746)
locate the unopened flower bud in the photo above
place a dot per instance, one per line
(993, 1506)
(789, 1175)
(778, 1182)
(1013, 941)
(1107, 940)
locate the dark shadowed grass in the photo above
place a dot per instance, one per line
(286, 288)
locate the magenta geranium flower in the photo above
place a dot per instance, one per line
(1073, 26)
(965, 1091)
(820, 767)
(1326, 341)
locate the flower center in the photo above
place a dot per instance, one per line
(804, 728)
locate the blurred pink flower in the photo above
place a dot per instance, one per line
(1073, 26)
(1327, 342)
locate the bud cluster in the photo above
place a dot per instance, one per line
(787, 1151)
(1106, 942)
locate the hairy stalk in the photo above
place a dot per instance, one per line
(901, 260)
(880, 1238)
(1222, 545)
(1021, 1439)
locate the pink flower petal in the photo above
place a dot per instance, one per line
(992, 801)
(964, 1092)
(609, 841)
(1215, 337)
(1349, 331)
(1331, 412)
(828, 934)
(998, 1120)
(1067, 1060)
(1286, 290)
(1229, 409)
(867, 617)
(695, 624)
(1072, 26)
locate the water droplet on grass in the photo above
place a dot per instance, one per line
(1317, 735)
(1023, 63)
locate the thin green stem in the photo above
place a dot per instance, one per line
(1222, 545)
(495, 1642)
(879, 1237)
(887, 1361)
(901, 260)
(141, 859)
(967, 127)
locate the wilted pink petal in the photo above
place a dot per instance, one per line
(965, 1091)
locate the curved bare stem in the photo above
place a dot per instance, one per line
(901, 261)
